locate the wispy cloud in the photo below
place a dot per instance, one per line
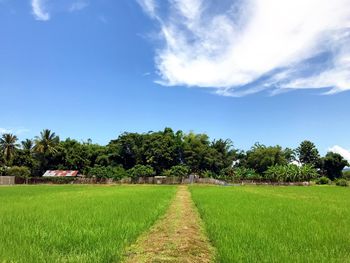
(78, 5)
(240, 47)
(39, 10)
(343, 152)
(17, 131)
(42, 9)
(4, 130)
(103, 19)
(149, 6)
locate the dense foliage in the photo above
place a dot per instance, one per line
(291, 173)
(323, 180)
(342, 182)
(177, 170)
(166, 153)
(333, 165)
(308, 154)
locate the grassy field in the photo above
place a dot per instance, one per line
(76, 223)
(276, 224)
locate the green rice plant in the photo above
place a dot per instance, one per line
(76, 223)
(276, 224)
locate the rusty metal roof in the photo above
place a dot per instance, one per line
(57, 173)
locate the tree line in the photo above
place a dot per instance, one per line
(166, 153)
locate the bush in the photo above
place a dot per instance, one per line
(242, 173)
(209, 174)
(323, 180)
(2, 171)
(346, 175)
(57, 180)
(141, 171)
(19, 171)
(177, 171)
(342, 182)
(115, 173)
(307, 172)
(227, 174)
(290, 173)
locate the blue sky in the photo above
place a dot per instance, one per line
(93, 69)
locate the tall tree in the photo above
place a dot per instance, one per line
(25, 156)
(47, 142)
(45, 148)
(197, 152)
(126, 150)
(333, 165)
(308, 154)
(261, 157)
(27, 145)
(222, 155)
(8, 144)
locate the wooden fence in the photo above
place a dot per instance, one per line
(128, 180)
(7, 180)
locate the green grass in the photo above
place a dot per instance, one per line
(76, 223)
(276, 224)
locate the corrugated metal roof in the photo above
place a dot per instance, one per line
(53, 173)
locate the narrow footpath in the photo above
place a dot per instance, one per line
(177, 237)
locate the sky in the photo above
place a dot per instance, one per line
(268, 71)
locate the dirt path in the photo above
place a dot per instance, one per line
(177, 237)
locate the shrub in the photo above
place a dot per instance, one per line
(2, 170)
(227, 174)
(177, 171)
(57, 180)
(242, 173)
(209, 174)
(115, 173)
(323, 180)
(346, 175)
(342, 182)
(141, 171)
(19, 171)
(307, 172)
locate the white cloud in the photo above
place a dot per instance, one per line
(343, 152)
(149, 6)
(241, 47)
(16, 131)
(78, 5)
(42, 9)
(4, 130)
(39, 10)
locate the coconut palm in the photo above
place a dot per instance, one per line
(46, 142)
(27, 145)
(8, 146)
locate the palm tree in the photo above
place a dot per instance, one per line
(8, 146)
(27, 145)
(46, 142)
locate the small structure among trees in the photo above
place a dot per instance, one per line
(60, 173)
(167, 153)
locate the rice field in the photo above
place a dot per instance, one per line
(76, 223)
(244, 223)
(276, 224)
